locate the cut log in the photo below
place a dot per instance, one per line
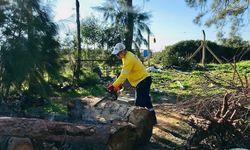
(16, 143)
(114, 125)
(143, 120)
(58, 131)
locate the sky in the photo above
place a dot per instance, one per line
(171, 22)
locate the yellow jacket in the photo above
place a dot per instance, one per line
(132, 69)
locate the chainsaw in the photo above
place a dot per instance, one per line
(111, 95)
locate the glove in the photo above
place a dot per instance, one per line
(118, 88)
(110, 88)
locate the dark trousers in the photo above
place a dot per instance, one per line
(142, 94)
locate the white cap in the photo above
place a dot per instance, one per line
(118, 47)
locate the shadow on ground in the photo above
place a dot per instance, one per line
(172, 129)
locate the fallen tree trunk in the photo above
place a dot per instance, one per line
(112, 125)
(58, 131)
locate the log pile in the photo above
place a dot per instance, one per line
(111, 125)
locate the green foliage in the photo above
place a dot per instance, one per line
(118, 13)
(235, 42)
(242, 48)
(89, 79)
(91, 31)
(28, 56)
(242, 66)
(48, 108)
(176, 55)
(112, 34)
(166, 84)
(179, 53)
(221, 14)
(94, 90)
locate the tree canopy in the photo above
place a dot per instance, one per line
(222, 13)
(27, 47)
(119, 13)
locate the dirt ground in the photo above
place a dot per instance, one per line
(172, 129)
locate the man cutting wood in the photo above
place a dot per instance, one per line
(135, 72)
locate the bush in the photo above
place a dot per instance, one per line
(89, 79)
(179, 53)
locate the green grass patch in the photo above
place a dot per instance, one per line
(59, 101)
(48, 108)
(94, 90)
(184, 85)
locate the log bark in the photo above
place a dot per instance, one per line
(17, 143)
(115, 126)
(143, 120)
(58, 131)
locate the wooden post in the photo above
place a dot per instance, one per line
(198, 49)
(204, 47)
(213, 54)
